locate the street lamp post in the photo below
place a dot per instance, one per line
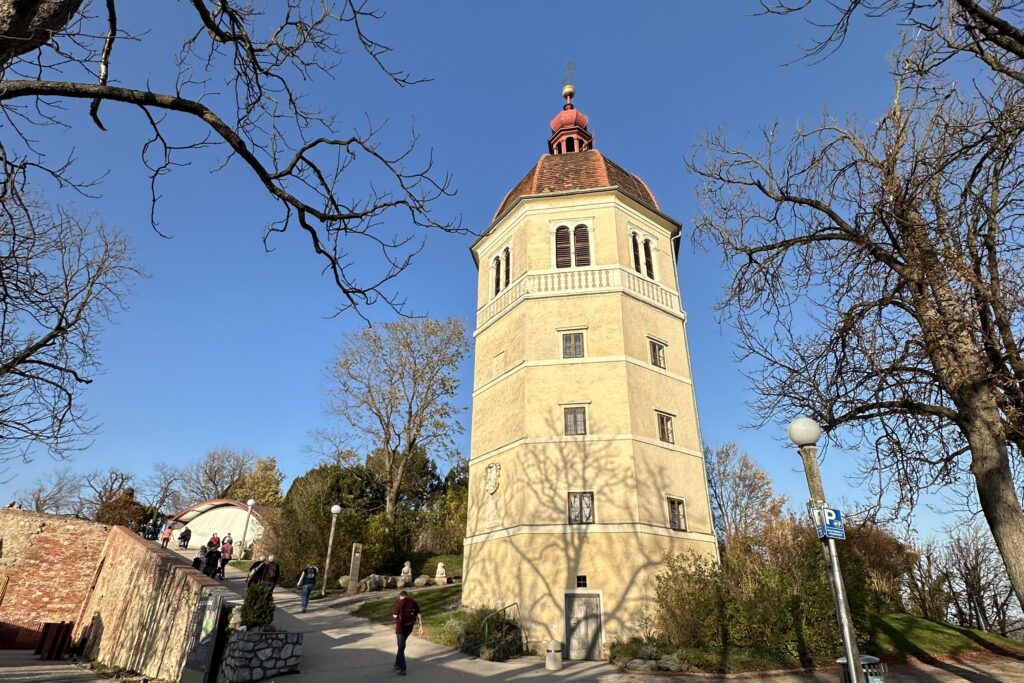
(245, 529)
(805, 432)
(335, 509)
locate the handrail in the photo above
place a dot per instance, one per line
(502, 611)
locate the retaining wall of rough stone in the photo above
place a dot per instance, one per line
(47, 563)
(141, 608)
(255, 655)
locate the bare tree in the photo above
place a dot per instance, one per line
(215, 474)
(877, 282)
(394, 386)
(989, 30)
(101, 488)
(274, 56)
(927, 583)
(977, 579)
(162, 488)
(742, 498)
(61, 277)
(57, 493)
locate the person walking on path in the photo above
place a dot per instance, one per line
(165, 538)
(271, 573)
(212, 561)
(256, 571)
(406, 613)
(200, 559)
(183, 537)
(214, 541)
(307, 579)
(227, 551)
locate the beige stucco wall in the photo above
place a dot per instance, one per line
(519, 547)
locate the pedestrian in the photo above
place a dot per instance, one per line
(200, 559)
(227, 551)
(256, 571)
(271, 572)
(212, 561)
(406, 613)
(165, 537)
(184, 537)
(214, 540)
(307, 579)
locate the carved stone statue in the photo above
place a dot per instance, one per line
(491, 476)
(441, 576)
(406, 578)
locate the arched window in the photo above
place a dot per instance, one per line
(648, 259)
(563, 250)
(508, 265)
(636, 253)
(497, 275)
(581, 240)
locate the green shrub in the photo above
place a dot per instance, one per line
(477, 632)
(258, 607)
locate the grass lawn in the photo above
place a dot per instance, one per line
(437, 606)
(243, 565)
(452, 566)
(897, 637)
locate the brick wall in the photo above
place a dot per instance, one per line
(48, 563)
(140, 611)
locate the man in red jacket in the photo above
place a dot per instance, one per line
(406, 613)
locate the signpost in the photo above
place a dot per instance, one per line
(353, 568)
(828, 522)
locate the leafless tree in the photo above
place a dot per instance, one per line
(977, 580)
(58, 492)
(274, 57)
(742, 498)
(103, 487)
(161, 489)
(928, 581)
(213, 475)
(877, 281)
(61, 277)
(989, 30)
(394, 386)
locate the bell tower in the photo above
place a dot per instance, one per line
(586, 466)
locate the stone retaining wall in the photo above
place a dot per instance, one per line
(47, 563)
(255, 655)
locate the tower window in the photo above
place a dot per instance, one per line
(581, 507)
(677, 514)
(508, 264)
(581, 240)
(581, 581)
(563, 250)
(570, 145)
(572, 345)
(648, 259)
(657, 353)
(665, 428)
(575, 421)
(636, 253)
(497, 275)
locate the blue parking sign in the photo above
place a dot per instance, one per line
(828, 522)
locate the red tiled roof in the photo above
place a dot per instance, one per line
(556, 173)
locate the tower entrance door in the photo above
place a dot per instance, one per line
(583, 626)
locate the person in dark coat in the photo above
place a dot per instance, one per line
(183, 537)
(271, 572)
(212, 561)
(405, 613)
(200, 559)
(307, 580)
(256, 571)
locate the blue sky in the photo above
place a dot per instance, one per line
(226, 345)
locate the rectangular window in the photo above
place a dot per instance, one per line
(581, 507)
(657, 354)
(677, 514)
(665, 428)
(572, 345)
(575, 421)
(581, 581)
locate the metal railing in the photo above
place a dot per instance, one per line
(510, 621)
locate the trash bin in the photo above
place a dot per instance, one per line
(874, 669)
(553, 661)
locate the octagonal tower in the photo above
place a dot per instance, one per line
(586, 467)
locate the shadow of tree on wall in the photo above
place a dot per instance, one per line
(544, 474)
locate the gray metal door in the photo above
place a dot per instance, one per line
(583, 626)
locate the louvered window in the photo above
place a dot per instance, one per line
(508, 265)
(581, 507)
(648, 259)
(581, 240)
(636, 253)
(572, 345)
(563, 249)
(497, 275)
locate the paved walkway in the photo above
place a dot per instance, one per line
(341, 647)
